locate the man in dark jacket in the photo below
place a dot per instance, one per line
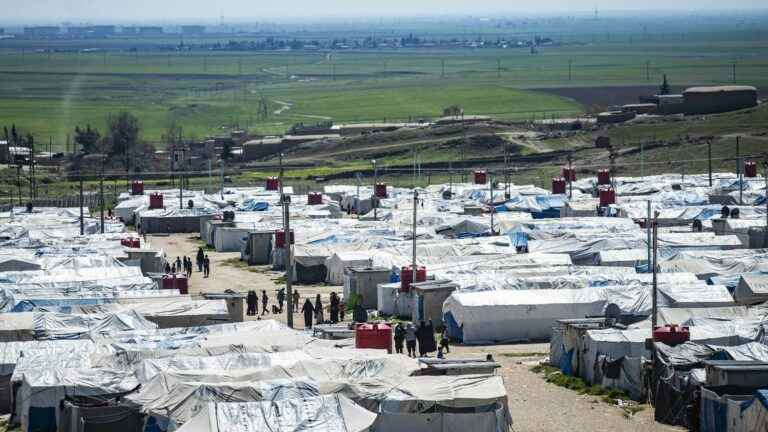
(309, 312)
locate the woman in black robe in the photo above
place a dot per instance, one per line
(309, 312)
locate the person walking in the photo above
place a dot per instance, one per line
(173, 268)
(334, 308)
(178, 263)
(252, 301)
(281, 298)
(399, 338)
(167, 268)
(421, 336)
(410, 339)
(264, 302)
(296, 299)
(308, 311)
(444, 340)
(206, 266)
(200, 257)
(319, 310)
(430, 345)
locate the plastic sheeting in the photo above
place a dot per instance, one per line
(329, 413)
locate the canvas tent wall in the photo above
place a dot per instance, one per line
(444, 404)
(751, 289)
(340, 261)
(230, 239)
(329, 413)
(506, 316)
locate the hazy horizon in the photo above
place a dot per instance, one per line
(49, 11)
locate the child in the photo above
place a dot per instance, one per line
(444, 341)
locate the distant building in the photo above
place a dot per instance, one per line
(710, 100)
(41, 31)
(190, 30)
(92, 31)
(150, 31)
(129, 30)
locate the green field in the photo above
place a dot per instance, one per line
(48, 93)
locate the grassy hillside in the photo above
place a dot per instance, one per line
(48, 93)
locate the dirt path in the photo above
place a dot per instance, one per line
(224, 276)
(536, 405)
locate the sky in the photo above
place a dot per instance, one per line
(238, 10)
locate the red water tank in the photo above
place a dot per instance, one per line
(374, 336)
(169, 281)
(607, 197)
(380, 190)
(280, 238)
(315, 198)
(558, 185)
(569, 173)
(671, 334)
(137, 187)
(481, 177)
(604, 177)
(155, 201)
(750, 169)
(182, 284)
(273, 183)
(130, 242)
(406, 277)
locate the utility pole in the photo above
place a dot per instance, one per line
(210, 179)
(654, 310)
(709, 158)
(642, 159)
(442, 70)
(738, 168)
(733, 71)
(221, 180)
(570, 176)
(82, 219)
(288, 264)
(375, 198)
(101, 200)
(765, 176)
(490, 201)
(358, 177)
(413, 260)
(647, 70)
(450, 179)
(570, 70)
(648, 232)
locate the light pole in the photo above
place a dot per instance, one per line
(375, 197)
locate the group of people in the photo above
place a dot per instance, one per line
(203, 262)
(184, 265)
(424, 335)
(317, 312)
(252, 301)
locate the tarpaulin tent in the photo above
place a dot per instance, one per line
(328, 413)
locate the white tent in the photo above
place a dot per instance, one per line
(338, 262)
(751, 289)
(328, 413)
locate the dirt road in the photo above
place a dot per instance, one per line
(536, 405)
